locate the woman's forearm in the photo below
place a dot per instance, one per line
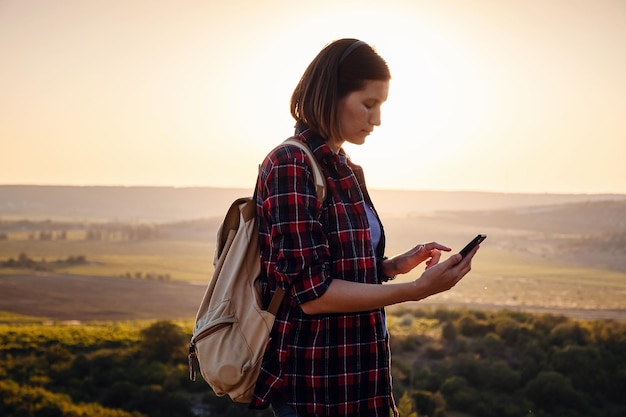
(348, 297)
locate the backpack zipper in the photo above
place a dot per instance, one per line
(192, 358)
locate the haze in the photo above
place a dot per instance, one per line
(515, 96)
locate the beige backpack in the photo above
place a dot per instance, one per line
(231, 328)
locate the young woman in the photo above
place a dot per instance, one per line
(328, 353)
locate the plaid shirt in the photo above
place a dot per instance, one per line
(326, 364)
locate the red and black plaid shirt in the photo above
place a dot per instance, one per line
(326, 364)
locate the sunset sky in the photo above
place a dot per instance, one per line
(488, 95)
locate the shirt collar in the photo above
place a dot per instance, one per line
(319, 146)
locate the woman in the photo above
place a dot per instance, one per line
(328, 353)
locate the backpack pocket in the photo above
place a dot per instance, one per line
(228, 363)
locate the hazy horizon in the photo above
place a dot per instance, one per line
(522, 96)
(378, 189)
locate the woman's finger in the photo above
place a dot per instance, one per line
(435, 256)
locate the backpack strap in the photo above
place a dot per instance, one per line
(320, 181)
(320, 189)
(277, 300)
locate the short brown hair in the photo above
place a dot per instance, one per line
(335, 72)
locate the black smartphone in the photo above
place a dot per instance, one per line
(472, 244)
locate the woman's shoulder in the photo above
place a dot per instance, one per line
(285, 153)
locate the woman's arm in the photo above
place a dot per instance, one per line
(345, 296)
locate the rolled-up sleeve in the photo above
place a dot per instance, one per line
(296, 234)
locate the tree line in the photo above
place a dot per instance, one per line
(48, 230)
(24, 261)
(445, 362)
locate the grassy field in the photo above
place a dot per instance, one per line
(503, 280)
(514, 269)
(180, 260)
(498, 280)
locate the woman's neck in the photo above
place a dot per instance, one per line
(335, 145)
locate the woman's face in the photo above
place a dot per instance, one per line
(358, 112)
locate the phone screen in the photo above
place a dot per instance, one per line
(476, 241)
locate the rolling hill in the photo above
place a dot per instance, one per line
(167, 204)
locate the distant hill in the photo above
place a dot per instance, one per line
(167, 204)
(591, 233)
(123, 204)
(576, 218)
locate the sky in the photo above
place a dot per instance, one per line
(523, 96)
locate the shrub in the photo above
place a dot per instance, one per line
(508, 329)
(569, 333)
(471, 326)
(498, 376)
(164, 341)
(583, 366)
(429, 404)
(449, 332)
(554, 393)
(459, 394)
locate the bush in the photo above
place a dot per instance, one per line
(164, 341)
(459, 394)
(583, 366)
(449, 332)
(471, 326)
(554, 393)
(429, 404)
(498, 376)
(569, 333)
(466, 366)
(508, 329)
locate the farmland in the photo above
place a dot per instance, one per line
(568, 258)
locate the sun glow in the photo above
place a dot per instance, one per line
(437, 102)
(151, 93)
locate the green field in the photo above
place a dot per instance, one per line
(184, 260)
(498, 279)
(514, 269)
(505, 279)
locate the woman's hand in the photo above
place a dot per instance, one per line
(406, 262)
(444, 275)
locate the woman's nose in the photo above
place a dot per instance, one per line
(375, 118)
